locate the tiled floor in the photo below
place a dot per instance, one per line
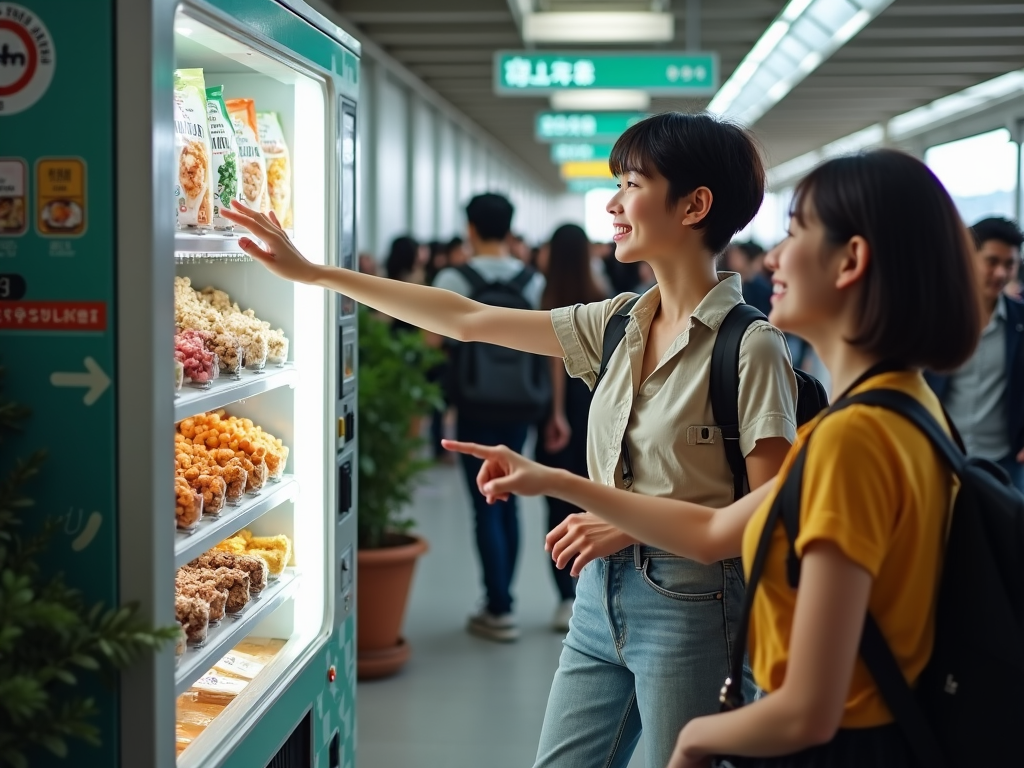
(462, 702)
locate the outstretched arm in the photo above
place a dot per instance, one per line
(433, 309)
(688, 530)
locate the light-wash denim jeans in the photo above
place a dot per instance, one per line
(648, 649)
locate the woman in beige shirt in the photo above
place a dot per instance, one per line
(649, 641)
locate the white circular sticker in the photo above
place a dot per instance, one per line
(27, 58)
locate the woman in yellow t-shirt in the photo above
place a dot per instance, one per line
(876, 275)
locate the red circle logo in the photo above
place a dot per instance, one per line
(33, 58)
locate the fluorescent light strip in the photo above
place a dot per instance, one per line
(903, 127)
(598, 27)
(819, 27)
(582, 100)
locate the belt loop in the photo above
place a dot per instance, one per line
(638, 561)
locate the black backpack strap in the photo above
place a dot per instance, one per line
(724, 387)
(520, 281)
(874, 649)
(475, 279)
(614, 333)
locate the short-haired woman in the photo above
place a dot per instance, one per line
(649, 640)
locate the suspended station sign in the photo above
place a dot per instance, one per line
(565, 153)
(659, 73)
(598, 127)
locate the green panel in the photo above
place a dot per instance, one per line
(674, 73)
(593, 126)
(585, 185)
(333, 708)
(565, 153)
(275, 22)
(58, 124)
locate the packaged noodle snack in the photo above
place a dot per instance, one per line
(279, 166)
(253, 168)
(225, 154)
(193, 190)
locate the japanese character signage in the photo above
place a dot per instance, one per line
(584, 126)
(565, 153)
(53, 316)
(529, 73)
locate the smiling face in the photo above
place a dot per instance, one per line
(645, 227)
(804, 266)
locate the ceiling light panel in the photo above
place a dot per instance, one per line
(804, 35)
(600, 100)
(598, 27)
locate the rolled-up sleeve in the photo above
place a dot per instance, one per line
(767, 397)
(580, 331)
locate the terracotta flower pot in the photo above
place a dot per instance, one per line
(384, 579)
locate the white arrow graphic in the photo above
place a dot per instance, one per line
(95, 379)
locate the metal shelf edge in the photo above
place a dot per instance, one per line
(232, 519)
(198, 661)
(192, 402)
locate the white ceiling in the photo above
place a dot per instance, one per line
(913, 53)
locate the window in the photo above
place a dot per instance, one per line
(979, 173)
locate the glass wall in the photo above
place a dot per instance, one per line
(979, 172)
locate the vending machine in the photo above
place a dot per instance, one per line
(198, 413)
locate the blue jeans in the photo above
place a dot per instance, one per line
(497, 525)
(648, 649)
(1009, 463)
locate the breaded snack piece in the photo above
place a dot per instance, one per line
(194, 616)
(207, 592)
(254, 566)
(231, 580)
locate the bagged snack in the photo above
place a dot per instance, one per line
(225, 154)
(217, 689)
(279, 166)
(238, 664)
(193, 192)
(253, 167)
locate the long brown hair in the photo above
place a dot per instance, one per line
(570, 280)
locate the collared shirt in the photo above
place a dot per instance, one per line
(664, 418)
(977, 393)
(493, 269)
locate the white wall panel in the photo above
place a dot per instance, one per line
(423, 200)
(392, 163)
(449, 205)
(466, 148)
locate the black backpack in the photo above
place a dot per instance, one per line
(724, 387)
(967, 707)
(493, 384)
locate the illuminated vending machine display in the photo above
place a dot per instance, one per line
(199, 413)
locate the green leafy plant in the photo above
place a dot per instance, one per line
(393, 391)
(227, 177)
(49, 635)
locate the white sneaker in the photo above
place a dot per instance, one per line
(502, 629)
(560, 623)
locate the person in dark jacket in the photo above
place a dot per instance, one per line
(985, 397)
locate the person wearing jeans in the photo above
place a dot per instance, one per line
(497, 530)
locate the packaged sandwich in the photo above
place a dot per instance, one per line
(193, 189)
(253, 167)
(225, 154)
(279, 166)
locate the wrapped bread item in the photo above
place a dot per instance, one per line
(217, 689)
(238, 664)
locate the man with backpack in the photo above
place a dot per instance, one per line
(498, 393)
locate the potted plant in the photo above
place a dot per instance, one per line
(51, 638)
(394, 391)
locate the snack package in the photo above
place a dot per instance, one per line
(252, 169)
(188, 505)
(217, 689)
(194, 616)
(279, 166)
(193, 190)
(238, 664)
(226, 176)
